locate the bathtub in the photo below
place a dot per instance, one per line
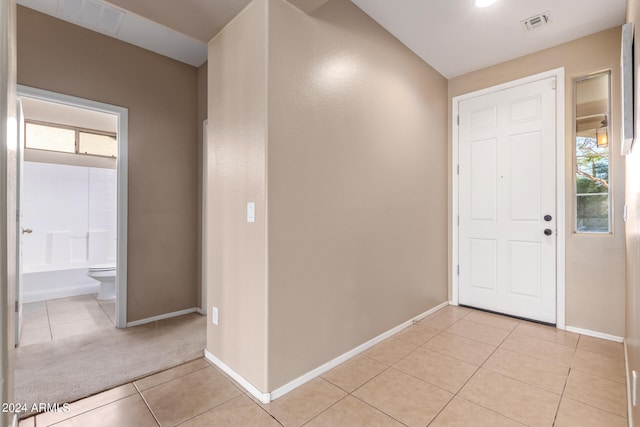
(47, 283)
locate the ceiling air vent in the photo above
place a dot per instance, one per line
(536, 21)
(92, 14)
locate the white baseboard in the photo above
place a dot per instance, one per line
(262, 397)
(161, 317)
(629, 393)
(281, 391)
(594, 334)
(348, 355)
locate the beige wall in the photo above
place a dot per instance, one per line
(595, 265)
(8, 138)
(356, 185)
(161, 95)
(632, 335)
(203, 94)
(349, 124)
(236, 174)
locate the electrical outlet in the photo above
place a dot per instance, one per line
(214, 315)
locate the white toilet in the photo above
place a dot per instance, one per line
(106, 275)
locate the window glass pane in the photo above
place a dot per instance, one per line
(592, 184)
(593, 213)
(97, 144)
(44, 137)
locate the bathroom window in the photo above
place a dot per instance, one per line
(592, 141)
(66, 139)
(98, 144)
(45, 137)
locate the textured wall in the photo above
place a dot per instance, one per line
(236, 174)
(336, 131)
(356, 185)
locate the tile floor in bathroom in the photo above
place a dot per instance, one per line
(59, 318)
(457, 367)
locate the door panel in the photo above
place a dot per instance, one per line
(483, 180)
(483, 263)
(507, 185)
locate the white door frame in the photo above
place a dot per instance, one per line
(122, 161)
(558, 73)
(203, 231)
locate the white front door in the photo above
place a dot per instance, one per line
(507, 201)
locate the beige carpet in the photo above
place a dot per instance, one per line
(75, 367)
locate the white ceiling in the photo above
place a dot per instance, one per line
(453, 36)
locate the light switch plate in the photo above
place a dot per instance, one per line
(214, 315)
(251, 212)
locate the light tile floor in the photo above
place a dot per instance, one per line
(59, 318)
(457, 367)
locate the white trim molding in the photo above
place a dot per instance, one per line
(627, 372)
(203, 212)
(122, 165)
(262, 397)
(594, 334)
(163, 316)
(558, 73)
(292, 385)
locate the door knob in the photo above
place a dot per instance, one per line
(548, 232)
(548, 218)
(27, 231)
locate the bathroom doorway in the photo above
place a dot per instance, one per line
(72, 217)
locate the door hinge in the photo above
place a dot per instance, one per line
(458, 270)
(458, 220)
(458, 120)
(17, 306)
(458, 170)
(553, 84)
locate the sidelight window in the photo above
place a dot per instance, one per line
(592, 149)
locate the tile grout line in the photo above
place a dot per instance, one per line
(146, 404)
(456, 394)
(440, 331)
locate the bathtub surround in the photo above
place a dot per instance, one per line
(72, 212)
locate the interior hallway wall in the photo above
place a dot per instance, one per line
(595, 265)
(161, 95)
(236, 175)
(632, 335)
(335, 130)
(356, 179)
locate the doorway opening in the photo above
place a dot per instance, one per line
(72, 222)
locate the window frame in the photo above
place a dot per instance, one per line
(609, 73)
(77, 130)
